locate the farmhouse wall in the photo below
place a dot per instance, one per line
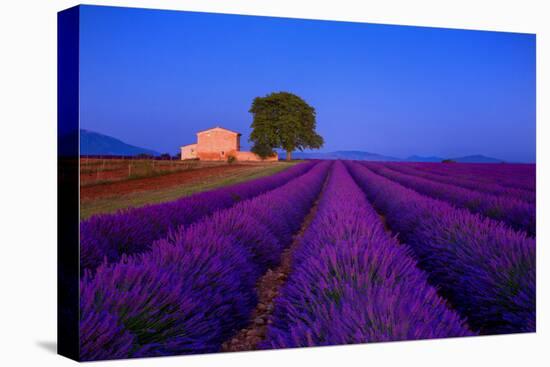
(189, 151)
(252, 157)
(215, 156)
(217, 141)
(218, 144)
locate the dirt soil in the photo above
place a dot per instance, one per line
(118, 188)
(105, 175)
(268, 288)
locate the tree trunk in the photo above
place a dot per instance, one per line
(289, 155)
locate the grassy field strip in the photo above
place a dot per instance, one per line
(112, 204)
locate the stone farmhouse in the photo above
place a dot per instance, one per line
(218, 144)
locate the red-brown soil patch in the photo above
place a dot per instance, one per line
(113, 174)
(157, 182)
(94, 170)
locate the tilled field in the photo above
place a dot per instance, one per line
(163, 181)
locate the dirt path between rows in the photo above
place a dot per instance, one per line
(268, 288)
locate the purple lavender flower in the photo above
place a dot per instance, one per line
(196, 287)
(132, 231)
(483, 267)
(517, 213)
(353, 283)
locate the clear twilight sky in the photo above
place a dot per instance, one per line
(153, 78)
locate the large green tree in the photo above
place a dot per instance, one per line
(283, 120)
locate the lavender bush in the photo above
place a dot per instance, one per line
(514, 212)
(452, 178)
(196, 287)
(520, 176)
(484, 268)
(132, 231)
(353, 283)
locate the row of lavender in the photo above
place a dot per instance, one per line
(520, 176)
(466, 182)
(483, 267)
(132, 231)
(352, 282)
(519, 214)
(194, 289)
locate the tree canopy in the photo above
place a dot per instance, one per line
(283, 120)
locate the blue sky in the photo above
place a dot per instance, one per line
(153, 78)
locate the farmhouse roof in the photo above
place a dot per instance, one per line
(219, 128)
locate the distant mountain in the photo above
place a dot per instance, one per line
(416, 158)
(477, 158)
(367, 156)
(343, 154)
(92, 143)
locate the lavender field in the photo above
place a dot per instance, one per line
(322, 253)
